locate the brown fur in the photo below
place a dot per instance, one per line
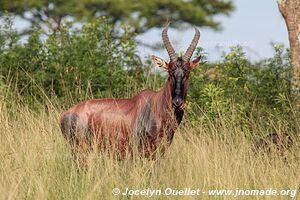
(115, 120)
(146, 121)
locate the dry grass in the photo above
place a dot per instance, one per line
(35, 163)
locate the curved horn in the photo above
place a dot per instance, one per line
(189, 52)
(168, 45)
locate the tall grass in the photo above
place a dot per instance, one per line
(35, 161)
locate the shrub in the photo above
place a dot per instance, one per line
(236, 81)
(70, 64)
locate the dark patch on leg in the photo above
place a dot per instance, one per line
(145, 128)
(77, 134)
(145, 121)
(73, 127)
(68, 126)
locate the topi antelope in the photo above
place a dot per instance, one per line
(150, 118)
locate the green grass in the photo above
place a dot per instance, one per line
(35, 162)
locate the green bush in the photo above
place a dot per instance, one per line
(259, 89)
(72, 64)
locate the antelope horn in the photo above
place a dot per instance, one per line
(189, 52)
(168, 45)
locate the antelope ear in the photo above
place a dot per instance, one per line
(195, 62)
(160, 62)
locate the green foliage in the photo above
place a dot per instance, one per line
(234, 79)
(89, 62)
(140, 15)
(212, 97)
(8, 36)
(274, 78)
(70, 65)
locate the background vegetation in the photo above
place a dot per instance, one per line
(140, 15)
(224, 142)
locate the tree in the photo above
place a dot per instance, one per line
(140, 14)
(290, 10)
(72, 66)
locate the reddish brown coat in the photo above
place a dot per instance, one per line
(146, 121)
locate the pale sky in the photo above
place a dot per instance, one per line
(254, 25)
